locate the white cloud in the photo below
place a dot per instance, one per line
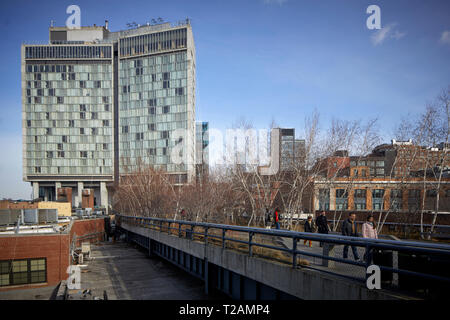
(387, 32)
(279, 2)
(445, 37)
(398, 35)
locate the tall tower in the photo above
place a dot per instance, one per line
(97, 103)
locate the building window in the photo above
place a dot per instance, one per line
(341, 199)
(166, 85)
(64, 139)
(28, 123)
(83, 107)
(413, 200)
(59, 99)
(324, 199)
(106, 107)
(106, 123)
(81, 130)
(151, 126)
(105, 146)
(82, 115)
(94, 115)
(49, 154)
(125, 129)
(396, 199)
(164, 134)
(23, 271)
(105, 100)
(380, 163)
(83, 154)
(360, 199)
(97, 84)
(151, 102)
(61, 154)
(377, 199)
(166, 109)
(94, 131)
(139, 136)
(71, 123)
(179, 91)
(152, 110)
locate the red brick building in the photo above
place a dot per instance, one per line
(41, 258)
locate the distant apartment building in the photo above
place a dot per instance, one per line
(201, 148)
(396, 177)
(96, 104)
(286, 152)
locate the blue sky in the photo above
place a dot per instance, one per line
(261, 59)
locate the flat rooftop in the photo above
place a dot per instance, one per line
(127, 273)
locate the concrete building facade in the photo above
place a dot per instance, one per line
(96, 104)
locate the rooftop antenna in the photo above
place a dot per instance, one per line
(160, 20)
(51, 23)
(153, 21)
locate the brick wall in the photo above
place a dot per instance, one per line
(54, 247)
(94, 227)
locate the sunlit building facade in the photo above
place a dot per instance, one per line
(96, 104)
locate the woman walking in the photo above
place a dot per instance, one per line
(369, 231)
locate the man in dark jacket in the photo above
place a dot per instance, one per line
(322, 224)
(267, 217)
(350, 229)
(309, 227)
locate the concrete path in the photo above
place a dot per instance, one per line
(127, 273)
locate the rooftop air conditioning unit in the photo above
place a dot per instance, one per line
(30, 216)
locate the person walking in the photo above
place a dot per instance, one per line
(310, 226)
(350, 229)
(276, 218)
(267, 218)
(369, 231)
(322, 224)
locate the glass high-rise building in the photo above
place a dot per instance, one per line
(202, 148)
(97, 104)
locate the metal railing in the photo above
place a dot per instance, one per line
(437, 254)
